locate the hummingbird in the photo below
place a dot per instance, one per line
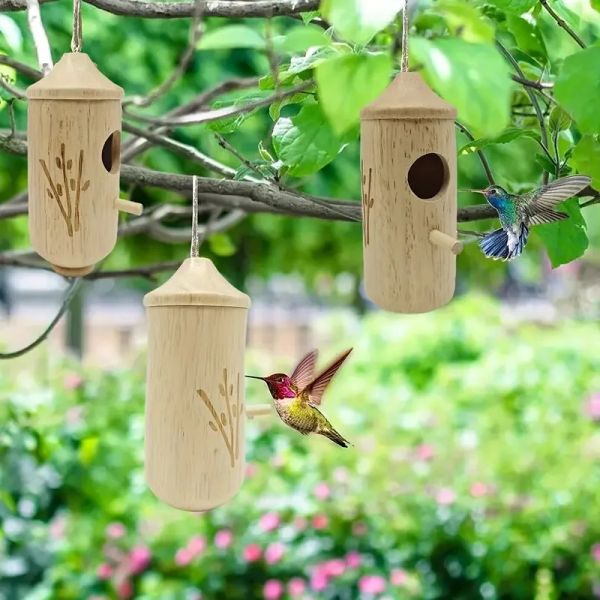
(518, 212)
(296, 397)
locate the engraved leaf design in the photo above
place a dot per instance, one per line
(50, 194)
(85, 186)
(69, 164)
(59, 189)
(72, 183)
(231, 390)
(58, 162)
(222, 390)
(213, 426)
(223, 419)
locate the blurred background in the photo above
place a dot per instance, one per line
(475, 466)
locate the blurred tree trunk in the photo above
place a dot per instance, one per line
(74, 331)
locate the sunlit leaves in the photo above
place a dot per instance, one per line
(516, 7)
(577, 84)
(508, 135)
(305, 143)
(465, 20)
(298, 39)
(586, 158)
(565, 240)
(231, 36)
(472, 77)
(348, 83)
(359, 20)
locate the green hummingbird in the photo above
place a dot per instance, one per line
(518, 212)
(296, 397)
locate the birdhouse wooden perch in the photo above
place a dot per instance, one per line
(408, 165)
(74, 134)
(195, 414)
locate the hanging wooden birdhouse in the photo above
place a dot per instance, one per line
(408, 169)
(74, 134)
(195, 414)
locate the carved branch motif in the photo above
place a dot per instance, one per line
(367, 205)
(227, 423)
(57, 189)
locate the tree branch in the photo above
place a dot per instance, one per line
(20, 67)
(562, 23)
(235, 9)
(38, 33)
(484, 162)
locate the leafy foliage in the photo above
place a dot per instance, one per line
(474, 467)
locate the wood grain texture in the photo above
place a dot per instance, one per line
(73, 215)
(195, 415)
(403, 270)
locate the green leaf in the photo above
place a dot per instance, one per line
(565, 240)
(8, 74)
(231, 36)
(508, 135)
(472, 77)
(578, 82)
(466, 21)
(586, 158)
(515, 7)
(221, 244)
(233, 123)
(559, 119)
(359, 20)
(299, 39)
(305, 143)
(527, 36)
(348, 83)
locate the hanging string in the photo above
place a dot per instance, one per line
(77, 39)
(404, 65)
(194, 249)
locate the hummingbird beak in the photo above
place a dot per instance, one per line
(473, 191)
(255, 377)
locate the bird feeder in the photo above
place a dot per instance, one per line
(408, 165)
(195, 415)
(74, 135)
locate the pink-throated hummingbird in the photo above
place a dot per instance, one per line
(297, 396)
(518, 212)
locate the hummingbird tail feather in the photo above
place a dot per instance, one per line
(496, 245)
(335, 437)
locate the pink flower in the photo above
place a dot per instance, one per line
(269, 521)
(320, 521)
(139, 559)
(335, 567)
(479, 489)
(424, 452)
(125, 590)
(58, 527)
(359, 528)
(104, 571)
(371, 584)
(72, 381)
(319, 580)
(115, 530)
(340, 475)
(398, 577)
(274, 553)
(596, 552)
(592, 407)
(74, 416)
(300, 523)
(223, 539)
(445, 496)
(322, 491)
(252, 553)
(273, 589)
(353, 559)
(183, 557)
(250, 470)
(196, 545)
(296, 587)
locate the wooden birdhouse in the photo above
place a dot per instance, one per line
(195, 414)
(408, 170)
(74, 139)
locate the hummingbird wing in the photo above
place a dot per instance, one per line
(314, 390)
(547, 197)
(305, 371)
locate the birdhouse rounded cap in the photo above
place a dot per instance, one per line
(197, 283)
(408, 97)
(75, 77)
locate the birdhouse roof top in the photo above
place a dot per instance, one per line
(75, 77)
(408, 97)
(197, 283)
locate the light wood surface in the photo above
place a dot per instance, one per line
(405, 270)
(195, 415)
(74, 123)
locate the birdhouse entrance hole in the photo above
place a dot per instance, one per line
(111, 152)
(428, 176)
